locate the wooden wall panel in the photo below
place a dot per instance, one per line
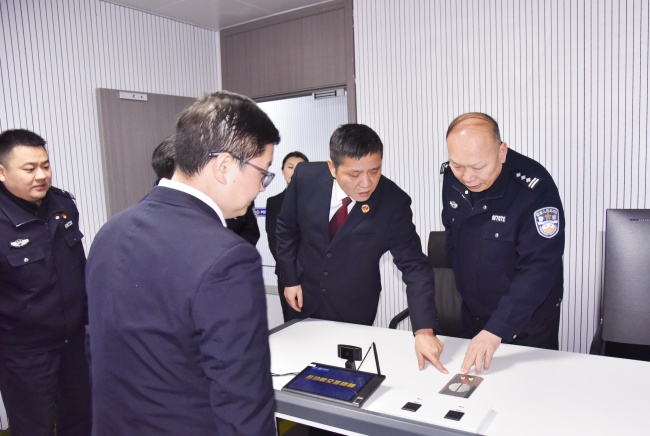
(292, 54)
(295, 56)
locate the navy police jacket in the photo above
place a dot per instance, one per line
(42, 260)
(506, 249)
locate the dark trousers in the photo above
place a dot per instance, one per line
(542, 334)
(42, 388)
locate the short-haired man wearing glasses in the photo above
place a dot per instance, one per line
(178, 326)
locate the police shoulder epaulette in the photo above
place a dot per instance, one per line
(445, 168)
(528, 181)
(61, 192)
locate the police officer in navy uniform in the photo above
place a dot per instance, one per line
(504, 227)
(44, 376)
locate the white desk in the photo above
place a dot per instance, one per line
(526, 391)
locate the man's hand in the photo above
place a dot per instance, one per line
(293, 295)
(480, 351)
(429, 347)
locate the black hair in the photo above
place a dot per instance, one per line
(354, 141)
(13, 138)
(294, 154)
(222, 122)
(163, 157)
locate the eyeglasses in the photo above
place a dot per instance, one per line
(268, 176)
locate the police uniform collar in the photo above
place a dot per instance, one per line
(20, 211)
(29, 206)
(501, 181)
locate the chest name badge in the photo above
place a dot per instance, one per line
(453, 204)
(499, 218)
(68, 224)
(19, 243)
(547, 221)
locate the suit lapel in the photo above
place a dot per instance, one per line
(359, 213)
(322, 205)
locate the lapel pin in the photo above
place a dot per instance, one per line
(365, 208)
(65, 217)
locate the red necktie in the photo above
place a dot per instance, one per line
(339, 217)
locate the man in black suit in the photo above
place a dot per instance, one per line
(334, 274)
(178, 325)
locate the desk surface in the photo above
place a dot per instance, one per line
(526, 391)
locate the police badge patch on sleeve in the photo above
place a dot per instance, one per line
(547, 221)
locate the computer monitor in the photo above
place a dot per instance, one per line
(626, 293)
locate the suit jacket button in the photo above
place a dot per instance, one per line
(323, 290)
(325, 273)
(329, 254)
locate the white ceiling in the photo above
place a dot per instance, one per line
(215, 14)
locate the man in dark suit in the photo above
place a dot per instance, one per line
(178, 326)
(334, 274)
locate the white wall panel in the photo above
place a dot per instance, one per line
(55, 53)
(567, 81)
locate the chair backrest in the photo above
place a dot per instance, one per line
(448, 300)
(436, 250)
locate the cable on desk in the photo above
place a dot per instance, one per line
(282, 375)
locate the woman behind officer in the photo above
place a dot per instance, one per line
(273, 207)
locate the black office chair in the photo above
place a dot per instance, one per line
(448, 300)
(600, 346)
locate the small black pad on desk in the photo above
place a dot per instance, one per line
(332, 383)
(455, 415)
(411, 407)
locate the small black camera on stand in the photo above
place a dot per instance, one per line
(351, 354)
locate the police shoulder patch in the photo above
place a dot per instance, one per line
(444, 168)
(547, 221)
(528, 181)
(61, 192)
